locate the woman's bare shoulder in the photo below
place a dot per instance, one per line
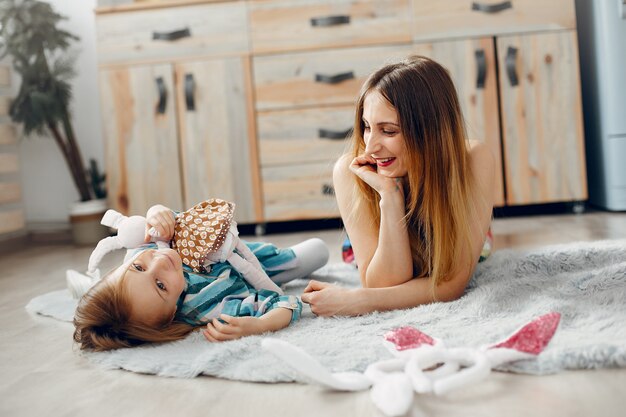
(341, 170)
(481, 156)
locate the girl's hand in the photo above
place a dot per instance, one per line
(364, 166)
(234, 328)
(162, 219)
(330, 300)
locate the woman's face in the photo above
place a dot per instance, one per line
(154, 281)
(383, 138)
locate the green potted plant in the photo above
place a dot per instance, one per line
(38, 49)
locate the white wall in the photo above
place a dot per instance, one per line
(46, 183)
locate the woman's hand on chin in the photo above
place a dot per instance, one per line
(364, 167)
(331, 300)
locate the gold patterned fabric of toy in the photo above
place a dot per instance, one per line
(201, 230)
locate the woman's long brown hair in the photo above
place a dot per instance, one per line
(438, 209)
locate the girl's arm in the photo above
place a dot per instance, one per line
(238, 327)
(384, 255)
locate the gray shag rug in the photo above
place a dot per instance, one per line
(585, 282)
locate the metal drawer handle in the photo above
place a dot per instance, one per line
(334, 79)
(510, 61)
(328, 189)
(171, 36)
(333, 134)
(492, 8)
(162, 104)
(330, 20)
(481, 68)
(190, 86)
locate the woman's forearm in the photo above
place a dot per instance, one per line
(392, 263)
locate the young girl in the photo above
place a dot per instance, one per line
(155, 296)
(415, 195)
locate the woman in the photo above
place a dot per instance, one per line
(415, 195)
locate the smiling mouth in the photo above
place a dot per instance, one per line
(385, 162)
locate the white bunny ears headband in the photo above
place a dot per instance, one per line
(421, 363)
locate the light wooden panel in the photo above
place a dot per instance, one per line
(5, 103)
(219, 28)
(11, 220)
(297, 192)
(214, 136)
(10, 192)
(479, 104)
(5, 76)
(7, 134)
(284, 81)
(542, 120)
(291, 136)
(282, 25)
(141, 144)
(455, 18)
(8, 163)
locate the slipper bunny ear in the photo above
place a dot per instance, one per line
(527, 342)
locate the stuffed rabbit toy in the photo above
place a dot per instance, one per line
(421, 363)
(204, 235)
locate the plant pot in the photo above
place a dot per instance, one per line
(85, 219)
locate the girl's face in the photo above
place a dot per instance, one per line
(384, 140)
(154, 281)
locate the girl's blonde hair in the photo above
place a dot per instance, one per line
(102, 320)
(438, 211)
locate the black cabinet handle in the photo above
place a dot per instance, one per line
(492, 8)
(162, 104)
(510, 61)
(328, 189)
(481, 68)
(171, 36)
(330, 21)
(334, 79)
(333, 134)
(190, 86)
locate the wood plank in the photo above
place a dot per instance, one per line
(300, 191)
(5, 103)
(5, 76)
(9, 163)
(215, 29)
(288, 80)
(447, 19)
(542, 120)
(11, 220)
(10, 192)
(283, 25)
(214, 136)
(141, 143)
(7, 134)
(290, 137)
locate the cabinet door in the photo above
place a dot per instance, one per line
(471, 64)
(541, 118)
(142, 161)
(216, 125)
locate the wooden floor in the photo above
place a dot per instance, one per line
(41, 374)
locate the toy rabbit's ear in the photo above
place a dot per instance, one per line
(112, 218)
(105, 246)
(533, 337)
(408, 337)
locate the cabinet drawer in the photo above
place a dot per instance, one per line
(311, 135)
(459, 18)
(171, 33)
(296, 192)
(318, 78)
(309, 24)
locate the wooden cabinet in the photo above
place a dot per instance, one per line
(178, 128)
(273, 85)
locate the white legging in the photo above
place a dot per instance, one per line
(312, 254)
